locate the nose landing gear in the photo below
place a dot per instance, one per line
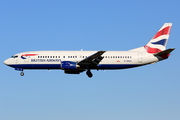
(22, 73)
(20, 69)
(89, 74)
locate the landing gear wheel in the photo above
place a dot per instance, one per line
(89, 74)
(22, 73)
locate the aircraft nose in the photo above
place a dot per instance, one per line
(6, 62)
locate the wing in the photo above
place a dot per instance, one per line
(92, 60)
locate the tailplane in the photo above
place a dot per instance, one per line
(158, 42)
(163, 54)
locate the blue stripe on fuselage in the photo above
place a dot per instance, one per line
(58, 66)
(37, 66)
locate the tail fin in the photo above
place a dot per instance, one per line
(159, 41)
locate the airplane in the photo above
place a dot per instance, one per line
(76, 62)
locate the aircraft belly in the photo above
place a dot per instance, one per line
(37, 66)
(117, 66)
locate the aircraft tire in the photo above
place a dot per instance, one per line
(89, 74)
(22, 73)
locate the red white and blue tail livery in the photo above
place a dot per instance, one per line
(75, 62)
(159, 41)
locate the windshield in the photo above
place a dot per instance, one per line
(14, 56)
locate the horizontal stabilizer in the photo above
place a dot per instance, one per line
(165, 52)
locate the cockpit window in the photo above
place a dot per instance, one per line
(14, 56)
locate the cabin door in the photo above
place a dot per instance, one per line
(140, 58)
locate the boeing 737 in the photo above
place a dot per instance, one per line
(75, 62)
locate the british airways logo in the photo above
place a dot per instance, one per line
(27, 55)
(45, 60)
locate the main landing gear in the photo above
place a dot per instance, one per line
(89, 74)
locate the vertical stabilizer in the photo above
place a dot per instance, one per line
(159, 41)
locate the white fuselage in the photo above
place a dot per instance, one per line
(53, 59)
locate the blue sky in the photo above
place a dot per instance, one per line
(146, 93)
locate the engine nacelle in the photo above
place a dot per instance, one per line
(72, 72)
(68, 65)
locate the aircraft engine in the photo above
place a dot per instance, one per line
(72, 72)
(68, 65)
